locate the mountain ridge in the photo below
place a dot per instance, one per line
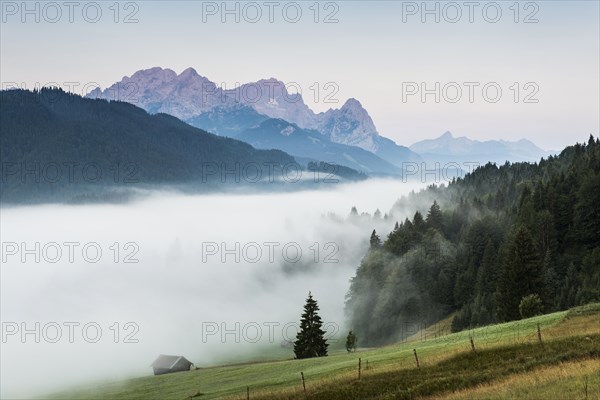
(310, 144)
(54, 129)
(461, 148)
(198, 101)
(194, 98)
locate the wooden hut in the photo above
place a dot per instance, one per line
(168, 364)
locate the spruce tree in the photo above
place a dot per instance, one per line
(418, 222)
(375, 240)
(434, 216)
(487, 275)
(587, 211)
(521, 274)
(310, 341)
(546, 233)
(351, 342)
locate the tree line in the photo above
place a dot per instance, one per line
(501, 243)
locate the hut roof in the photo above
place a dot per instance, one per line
(167, 362)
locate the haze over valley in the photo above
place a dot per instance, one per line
(172, 283)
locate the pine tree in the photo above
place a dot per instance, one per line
(551, 283)
(434, 216)
(521, 274)
(310, 341)
(418, 222)
(486, 275)
(351, 342)
(526, 214)
(375, 240)
(587, 211)
(546, 233)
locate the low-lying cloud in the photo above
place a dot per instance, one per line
(110, 287)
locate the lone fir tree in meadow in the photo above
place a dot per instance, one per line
(310, 341)
(351, 342)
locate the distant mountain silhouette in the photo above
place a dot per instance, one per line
(448, 148)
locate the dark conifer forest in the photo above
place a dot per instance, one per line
(59, 146)
(489, 240)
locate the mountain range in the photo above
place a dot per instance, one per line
(448, 148)
(202, 103)
(254, 112)
(309, 145)
(48, 132)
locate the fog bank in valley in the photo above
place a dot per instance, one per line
(184, 288)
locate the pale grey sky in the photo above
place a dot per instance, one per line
(377, 52)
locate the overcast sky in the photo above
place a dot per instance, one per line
(381, 53)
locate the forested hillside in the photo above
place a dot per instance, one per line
(57, 145)
(492, 238)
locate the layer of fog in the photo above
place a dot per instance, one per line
(171, 294)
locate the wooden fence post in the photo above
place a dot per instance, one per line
(359, 367)
(472, 343)
(303, 382)
(416, 357)
(540, 335)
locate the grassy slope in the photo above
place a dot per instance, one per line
(564, 381)
(446, 364)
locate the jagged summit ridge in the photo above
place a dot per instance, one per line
(189, 95)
